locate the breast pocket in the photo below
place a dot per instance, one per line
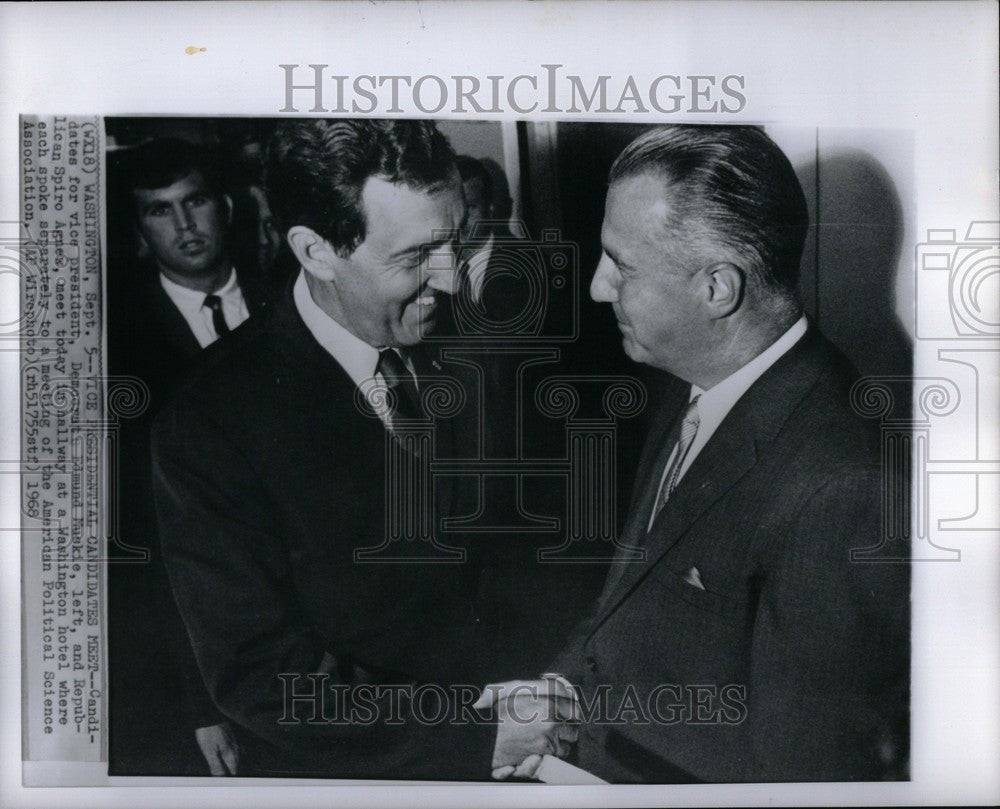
(704, 636)
(672, 585)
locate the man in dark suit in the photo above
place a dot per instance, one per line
(182, 295)
(747, 645)
(186, 293)
(309, 567)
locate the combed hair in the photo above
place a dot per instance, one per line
(317, 168)
(737, 183)
(162, 162)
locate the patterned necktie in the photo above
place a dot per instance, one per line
(214, 302)
(406, 399)
(688, 430)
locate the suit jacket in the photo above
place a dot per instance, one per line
(792, 663)
(157, 342)
(150, 339)
(269, 477)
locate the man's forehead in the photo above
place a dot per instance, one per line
(638, 209)
(383, 197)
(400, 218)
(194, 180)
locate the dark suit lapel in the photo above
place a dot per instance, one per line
(173, 327)
(654, 455)
(428, 370)
(730, 453)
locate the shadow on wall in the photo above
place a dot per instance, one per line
(855, 244)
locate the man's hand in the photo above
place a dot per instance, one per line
(535, 718)
(219, 747)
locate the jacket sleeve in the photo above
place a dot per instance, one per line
(229, 568)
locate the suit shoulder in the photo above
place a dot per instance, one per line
(226, 371)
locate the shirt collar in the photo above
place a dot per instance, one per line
(718, 400)
(191, 300)
(352, 353)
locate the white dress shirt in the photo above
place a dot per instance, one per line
(715, 403)
(352, 353)
(191, 304)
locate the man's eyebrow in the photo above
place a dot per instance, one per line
(446, 237)
(153, 203)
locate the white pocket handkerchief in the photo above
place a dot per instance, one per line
(693, 577)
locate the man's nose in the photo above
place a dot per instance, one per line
(182, 218)
(604, 286)
(442, 270)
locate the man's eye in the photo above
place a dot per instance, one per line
(197, 200)
(157, 210)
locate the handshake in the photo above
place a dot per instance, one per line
(534, 718)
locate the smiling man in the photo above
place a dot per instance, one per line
(272, 473)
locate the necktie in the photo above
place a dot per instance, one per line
(406, 399)
(688, 430)
(214, 302)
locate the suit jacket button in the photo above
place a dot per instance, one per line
(591, 663)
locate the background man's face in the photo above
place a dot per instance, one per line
(477, 204)
(645, 274)
(389, 286)
(184, 227)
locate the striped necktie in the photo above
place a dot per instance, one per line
(406, 399)
(688, 430)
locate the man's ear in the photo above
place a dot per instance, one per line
(725, 286)
(314, 253)
(228, 202)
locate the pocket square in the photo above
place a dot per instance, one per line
(693, 577)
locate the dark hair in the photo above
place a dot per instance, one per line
(735, 181)
(471, 169)
(317, 168)
(161, 163)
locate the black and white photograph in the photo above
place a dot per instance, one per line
(399, 448)
(536, 418)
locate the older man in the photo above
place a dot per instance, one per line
(747, 646)
(339, 642)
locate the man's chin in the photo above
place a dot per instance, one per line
(196, 271)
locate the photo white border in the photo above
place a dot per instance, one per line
(930, 67)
